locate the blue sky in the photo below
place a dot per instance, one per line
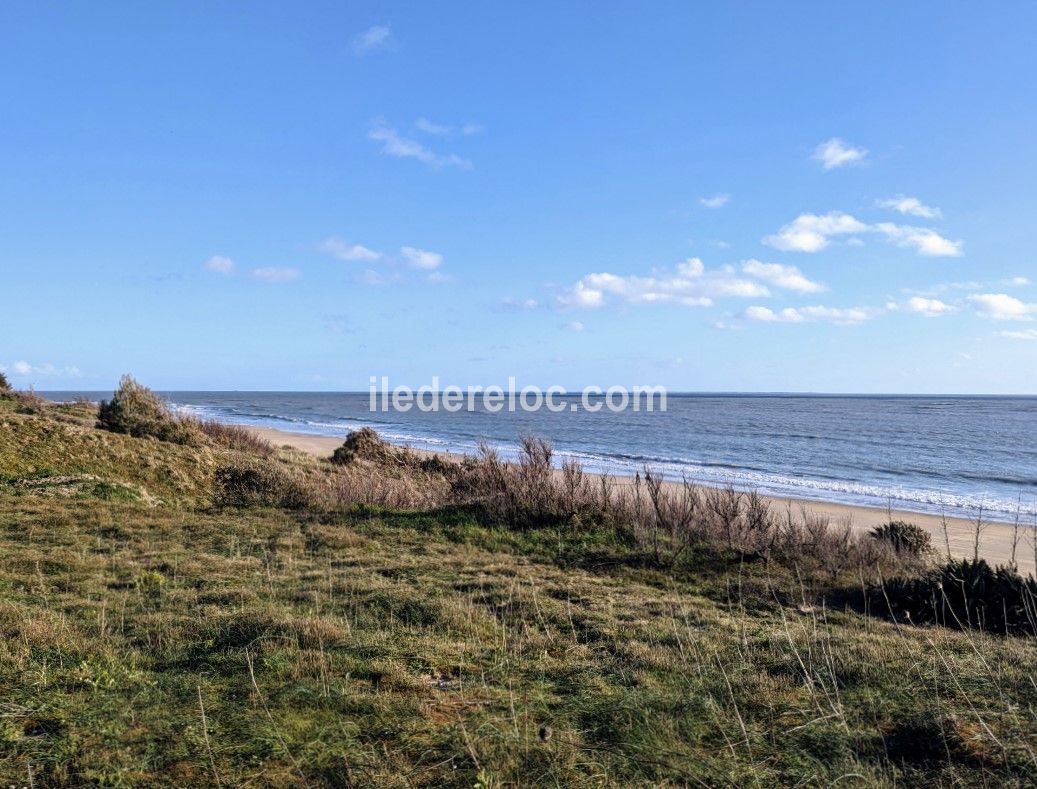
(740, 197)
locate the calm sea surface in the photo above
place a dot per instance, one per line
(927, 454)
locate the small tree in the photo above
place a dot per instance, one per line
(5, 385)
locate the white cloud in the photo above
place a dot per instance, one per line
(973, 285)
(274, 274)
(220, 264)
(1027, 334)
(343, 250)
(23, 368)
(583, 295)
(441, 130)
(811, 232)
(837, 315)
(923, 240)
(576, 326)
(427, 126)
(1002, 307)
(403, 148)
(374, 39)
(930, 308)
(911, 206)
(515, 304)
(835, 153)
(766, 314)
(421, 258)
(784, 277)
(689, 285)
(716, 201)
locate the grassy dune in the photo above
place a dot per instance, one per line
(149, 636)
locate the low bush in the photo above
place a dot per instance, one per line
(964, 595)
(137, 411)
(237, 437)
(260, 484)
(363, 444)
(904, 537)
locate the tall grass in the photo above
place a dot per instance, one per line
(237, 437)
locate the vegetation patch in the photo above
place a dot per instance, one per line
(904, 537)
(966, 595)
(137, 411)
(389, 623)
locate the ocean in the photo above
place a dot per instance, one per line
(949, 455)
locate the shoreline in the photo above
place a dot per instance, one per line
(995, 539)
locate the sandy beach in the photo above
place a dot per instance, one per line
(995, 539)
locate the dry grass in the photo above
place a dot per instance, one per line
(236, 437)
(623, 637)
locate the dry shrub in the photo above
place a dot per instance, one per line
(137, 411)
(236, 437)
(377, 487)
(28, 402)
(675, 518)
(261, 484)
(529, 494)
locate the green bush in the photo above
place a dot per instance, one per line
(137, 411)
(259, 484)
(963, 595)
(362, 444)
(5, 385)
(904, 537)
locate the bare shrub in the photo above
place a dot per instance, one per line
(678, 515)
(536, 495)
(575, 489)
(530, 493)
(724, 506)
(759, 525)
(237, 437)
(28, 402)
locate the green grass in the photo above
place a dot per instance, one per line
(376, 647)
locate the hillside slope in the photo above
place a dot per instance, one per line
(148, 637)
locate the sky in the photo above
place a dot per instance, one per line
(816, 197)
